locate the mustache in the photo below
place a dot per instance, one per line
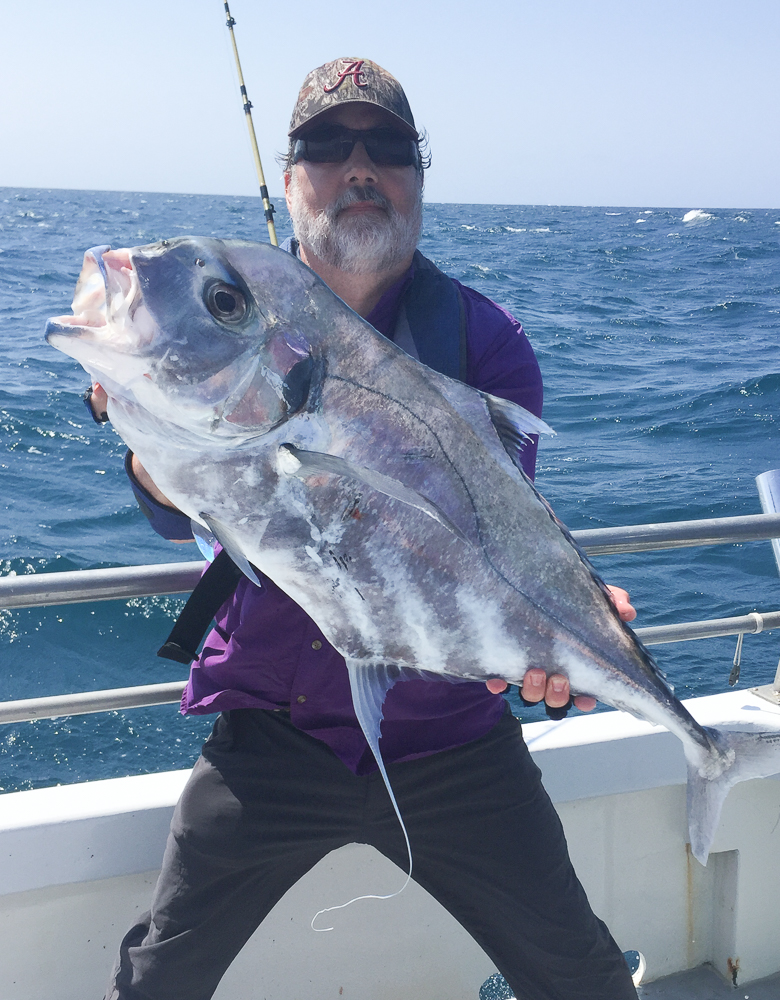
(353, 195)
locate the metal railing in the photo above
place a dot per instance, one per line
(112, 699)
(126, 582)
(119, 583)
(678, 534)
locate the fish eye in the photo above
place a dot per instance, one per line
(226, 303)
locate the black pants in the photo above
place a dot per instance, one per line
(266, 802)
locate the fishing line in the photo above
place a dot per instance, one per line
(368, 692)
(390, 895)
(267, 206)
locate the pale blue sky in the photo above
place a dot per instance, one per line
(578, 102)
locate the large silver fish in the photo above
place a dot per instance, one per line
(384, 498)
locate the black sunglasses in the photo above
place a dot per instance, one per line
(334, 144)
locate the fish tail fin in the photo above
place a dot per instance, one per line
(370, 684)
(735, 757)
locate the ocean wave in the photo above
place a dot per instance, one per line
(697, 215)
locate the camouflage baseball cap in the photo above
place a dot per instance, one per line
(347, 80)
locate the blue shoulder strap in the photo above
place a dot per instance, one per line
(432, 312)
(433, 308)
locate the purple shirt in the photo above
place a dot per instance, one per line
(266, 652)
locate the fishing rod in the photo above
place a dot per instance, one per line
(267, 206)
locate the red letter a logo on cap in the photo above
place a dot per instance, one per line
(353, 70)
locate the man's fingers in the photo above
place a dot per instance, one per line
(534, 684)
(99, 397)
(557, 692)
(96, 400)
(622, 602)
(553, 689)
(537, 686)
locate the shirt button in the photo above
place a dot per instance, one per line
(317, 644)
(301, 699)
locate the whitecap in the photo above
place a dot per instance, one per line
(613, 213)
(697, 215)
(511, 229)
(647, 211)
(641, 220)
(545, 230)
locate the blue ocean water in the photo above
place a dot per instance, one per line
(657, 333)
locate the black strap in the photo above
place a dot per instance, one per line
(212, 590)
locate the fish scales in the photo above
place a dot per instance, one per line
(383, 497)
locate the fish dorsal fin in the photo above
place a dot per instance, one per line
(370, 683)
(514, 425)
(310, 462)
(226, 538)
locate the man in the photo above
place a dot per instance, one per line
(287, 775)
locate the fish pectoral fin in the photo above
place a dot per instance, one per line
(204, 539)
(227, 539)
(514, 425)
(312, 462)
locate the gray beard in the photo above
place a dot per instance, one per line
(363, 244)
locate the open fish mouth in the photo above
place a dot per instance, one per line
(106, 282)
(109, 326)
(107, 296)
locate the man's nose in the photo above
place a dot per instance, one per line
(360, 168)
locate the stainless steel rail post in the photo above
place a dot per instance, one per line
(768, 484)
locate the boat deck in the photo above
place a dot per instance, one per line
(704, 983)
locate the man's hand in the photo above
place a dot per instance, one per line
(622, 602)
(554, 690)
(97, 400)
